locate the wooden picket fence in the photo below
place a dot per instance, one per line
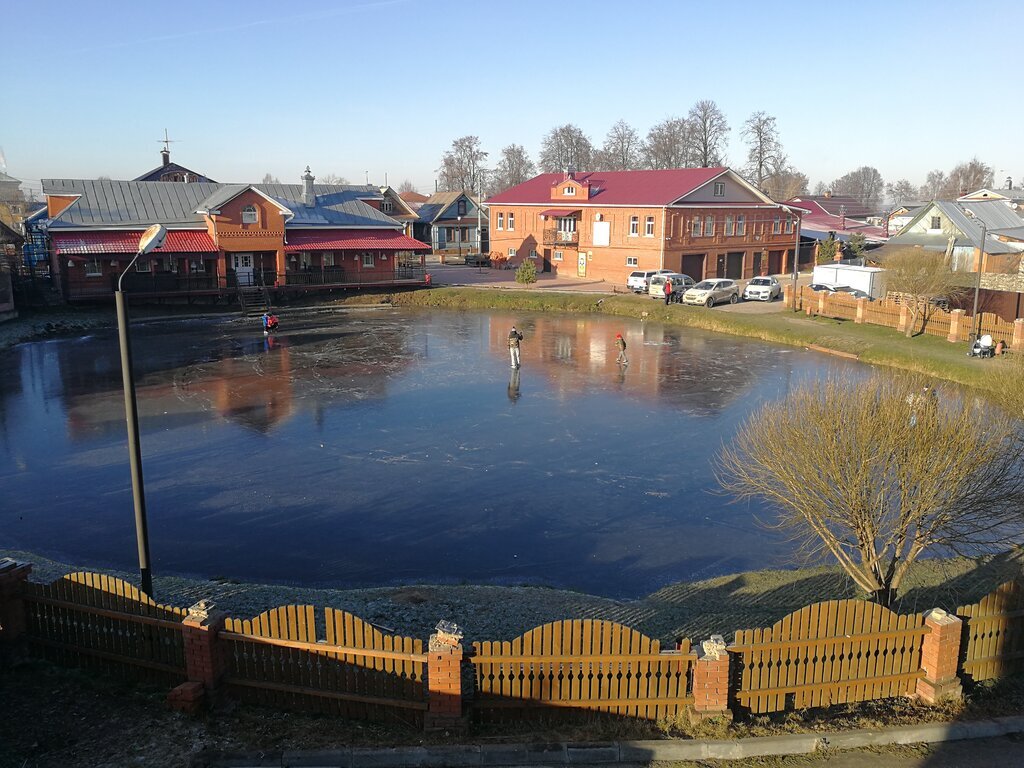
(586, 665)
(828, 653)
(97, 621)
(355, 670)
(993, 634)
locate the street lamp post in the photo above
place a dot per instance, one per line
(152, 238)
(796, 251)
(458, 237)
(977, 283)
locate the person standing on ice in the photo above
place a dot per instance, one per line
(621, 344)
(514, 337)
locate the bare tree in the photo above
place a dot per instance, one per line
(932, 187)
(821, 188)
(878, 474)
(461, 165)
(784, 181)
(269, 178)
(763, 147)
(710, 130)
(865, 184)
(566, 146)
(670, 144)
(901, 191)
(622, 149)
(920, 276)
(333, 178)
(966, 177)
(406, 186)
(515, 167)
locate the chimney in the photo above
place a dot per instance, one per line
(570, 172)
(842, 217)
(308, 195)
(165, 155)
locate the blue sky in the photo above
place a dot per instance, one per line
(383, 87)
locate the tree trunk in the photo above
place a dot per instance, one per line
(885, 596)
(912, 322)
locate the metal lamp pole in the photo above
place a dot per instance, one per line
(458, 237)
(796, 253)
(977, 284)
(152, 238)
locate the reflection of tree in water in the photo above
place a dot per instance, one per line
(10, 381)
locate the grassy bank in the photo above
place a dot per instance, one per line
(927, 355)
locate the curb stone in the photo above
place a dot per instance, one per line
(622, 753)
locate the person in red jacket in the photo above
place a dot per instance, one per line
(668, 292)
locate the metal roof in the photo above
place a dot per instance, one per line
(996, 214)
(348, 239)
(969, 228)
(651, 188)
(178, 241)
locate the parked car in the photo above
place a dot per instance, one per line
(639, 280)
(762, 289)
(857, 293)
(829, 288)
(711, 292)
(680, 283)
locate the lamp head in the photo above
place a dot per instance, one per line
(152, 239)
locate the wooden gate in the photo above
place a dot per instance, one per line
(994, 633)
(828, 653)
(88, 619)
(356, 670)
(584, 665)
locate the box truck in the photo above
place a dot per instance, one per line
(868, 279)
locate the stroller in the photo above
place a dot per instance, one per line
(983, 347)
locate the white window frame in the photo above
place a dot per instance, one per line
(649, 227)
(512, 253)
(569, 191)
(566, 224)
(250, 215)
(741, 225)
(632, 261)
(368, 260)
(558, 256)
(936, 223)
(196, 266)
(634, 226)
(387, 206)
(511, 222)
(709, 226)
(144, 265)
(730, 225)
(93, 268)
(533, 253)
(719, 189)
(777, 225)
(697, 227)
(501, 221)
(789, 225)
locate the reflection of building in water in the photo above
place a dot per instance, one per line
(676, 365)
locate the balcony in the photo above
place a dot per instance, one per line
(561, 237)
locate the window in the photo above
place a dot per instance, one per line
(367, 259)
(533, 253)
(512, 253)
(696, 230)
(304, 260)
(709, 226)
(511, 222)
(387, 206)
(501, 221)
(730, 226)
(558, 255)
(649, 227)
(460, 207)
(328, 258)
(93, 268)
(634, 226)
(789, 225)
(776, 226)
(567, 225)
(143, 265)
(569, 191)
(936, 222)
(741, 225)
(197, 265)
(249, 215)
(719, 189)
(632, 261)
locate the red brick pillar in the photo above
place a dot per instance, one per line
(204, 657)
(1018, 334)
(788, 297)
(940, 657)
(444, 681)
(862, 304)
(711, 680)
(904, 317)
(956, 317)
(13, 619)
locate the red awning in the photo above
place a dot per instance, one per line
(557, 212)
(351, 240)
(88, 243)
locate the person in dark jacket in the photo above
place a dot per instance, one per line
(514, 337)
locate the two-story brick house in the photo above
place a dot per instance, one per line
(704, 222)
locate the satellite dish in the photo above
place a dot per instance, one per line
(152, 238)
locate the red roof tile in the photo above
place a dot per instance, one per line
(351, 239)
(178, 241)
(613, 187)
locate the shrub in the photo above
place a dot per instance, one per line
(526, 273)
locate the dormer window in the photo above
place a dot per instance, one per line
(249, 215)
(387, 207)
(719, 189)
(571, 191)
(461, 207)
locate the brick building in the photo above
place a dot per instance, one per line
(704, 222)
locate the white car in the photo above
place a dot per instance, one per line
(762, 289)
(640, 280)
(710, 292)
(680, 282)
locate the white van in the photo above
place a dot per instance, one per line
(638, 281)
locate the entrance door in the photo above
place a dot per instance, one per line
(720, 266)
(757, 264)
(581, 265)
(734, 265)
(242, 262)
(547, 259)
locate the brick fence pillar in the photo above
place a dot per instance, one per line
(940, 657)
(204, 657)
(1018, 334)
(711, 680)
(444, 680)
(13, 619)
(862, 305)
(788, 297)
(956, 318)
(901, 324)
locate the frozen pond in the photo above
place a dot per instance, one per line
(377, 447)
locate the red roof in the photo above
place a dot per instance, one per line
(351, 239)
(556, 212)
(178, 241)
(613, 187)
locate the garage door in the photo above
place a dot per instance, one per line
(734, 265)
(693, 266)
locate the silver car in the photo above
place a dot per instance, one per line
(711, 292)
(762, 289)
